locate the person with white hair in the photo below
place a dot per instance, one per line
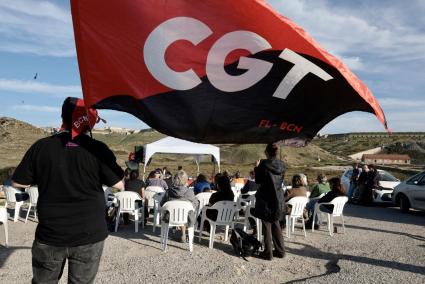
(304, 180)
(180, 191)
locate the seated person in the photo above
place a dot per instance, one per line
(337, 190)
(304, 180)
(214, 183)
(138, 186)
(167, 177)
(154, 179)
(322, 187)
(298, 188)
(180, 191)
(249, 188)
(237, 179)
(127, 174)
(201, 184)
(250, 185)
(224, 192)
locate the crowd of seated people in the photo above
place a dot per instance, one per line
(177, 187)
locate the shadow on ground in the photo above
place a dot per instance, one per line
(310, 251)
(385, 213)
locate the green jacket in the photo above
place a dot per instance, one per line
(319, 189)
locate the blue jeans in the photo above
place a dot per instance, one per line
(352, 191)
(310, 207)
(48, 262)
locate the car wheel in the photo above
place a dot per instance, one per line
(404, 204)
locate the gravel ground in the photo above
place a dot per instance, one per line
(381, 245)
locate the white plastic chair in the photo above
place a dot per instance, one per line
(242, 203)
(11, 199)
(179, 211)
(225, 214)
(127, 204)
(3, 219)
(298, 204)
(203, 198)
(33, 193)
(239, 186)
(338, 203)
(236, 191)
(150, 192)
(107, 191)
(157, 209)
(257, 221)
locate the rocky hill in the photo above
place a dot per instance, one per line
(15, 139)
(416, 150)
(411, 143)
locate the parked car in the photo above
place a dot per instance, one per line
(410, 193)
(385, 182)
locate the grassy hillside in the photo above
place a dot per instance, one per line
(412, 144)
(16, 137)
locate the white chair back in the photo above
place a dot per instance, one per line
(239, 186)
(157, 197)
(298, 204)
(150, 192)
(10, 194)
(203, 199)
(236, 193)
(155, 188)
(156, 208)
(243, 202)
(33, 193)
(179, 211)
(226, 212)
(3, 219)
(338, 204)
(127, 200)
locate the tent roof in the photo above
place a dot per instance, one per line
(171, 145)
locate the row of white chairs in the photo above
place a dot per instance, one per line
(297, 209)
(11, 200)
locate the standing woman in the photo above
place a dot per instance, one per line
(269, 204)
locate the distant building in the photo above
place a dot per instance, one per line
(386, 159)
(109, 130)
(359, 156)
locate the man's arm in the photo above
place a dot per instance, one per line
(18, 185)
(119, 185)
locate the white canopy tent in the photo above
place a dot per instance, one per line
(171, 145)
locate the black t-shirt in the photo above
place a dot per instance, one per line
(134, 185)
(69, 175)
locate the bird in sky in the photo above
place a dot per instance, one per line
(35, 76)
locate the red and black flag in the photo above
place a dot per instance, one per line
(212, 71)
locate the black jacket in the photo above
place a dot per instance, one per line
(269, 200)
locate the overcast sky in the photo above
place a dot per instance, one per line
(383, 42)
